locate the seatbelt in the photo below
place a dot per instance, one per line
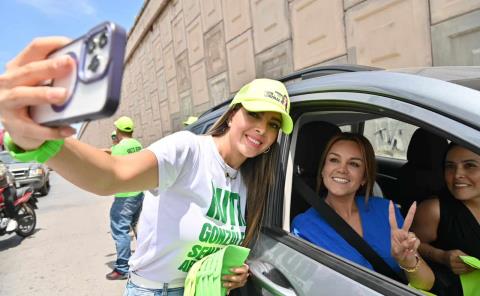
(344, 229)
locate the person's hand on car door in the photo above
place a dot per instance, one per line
(404, 243)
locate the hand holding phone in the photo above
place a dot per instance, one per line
(94, 85)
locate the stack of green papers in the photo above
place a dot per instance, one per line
(205, 276)
(471, 281)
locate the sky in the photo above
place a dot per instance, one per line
(23, 20)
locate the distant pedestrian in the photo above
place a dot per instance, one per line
(115, 141)
(126, 207)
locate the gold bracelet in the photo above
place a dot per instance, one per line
(413, 269)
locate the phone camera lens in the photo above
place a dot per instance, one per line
(103, 40)
(91, 45)
(94, 64)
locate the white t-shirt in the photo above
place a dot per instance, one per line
(198, 208)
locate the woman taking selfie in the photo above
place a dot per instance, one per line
(196, 186)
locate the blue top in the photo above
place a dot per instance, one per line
(376, 231)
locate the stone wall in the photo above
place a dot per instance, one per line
(185, 56)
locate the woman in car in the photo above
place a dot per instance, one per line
(449, 226)
(345, 179)
(197, 186)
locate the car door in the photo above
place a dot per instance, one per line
(282, 264)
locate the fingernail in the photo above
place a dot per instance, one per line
(66, 132)
(63, 61)
(232, 269)
(56, 93)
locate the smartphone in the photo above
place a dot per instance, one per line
(94, 85)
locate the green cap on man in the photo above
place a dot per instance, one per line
(125, 124)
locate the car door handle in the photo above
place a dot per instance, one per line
(266, 274)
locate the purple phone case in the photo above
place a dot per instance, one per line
(56, 115)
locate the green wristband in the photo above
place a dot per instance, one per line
(43, 153)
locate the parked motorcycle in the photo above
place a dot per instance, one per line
(25, 204)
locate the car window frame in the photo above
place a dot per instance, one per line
(276, 217)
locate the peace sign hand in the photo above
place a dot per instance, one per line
(404, 243)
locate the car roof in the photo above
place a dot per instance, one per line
(468, 76)
(425, 86)
(454, 100)
(308, 73)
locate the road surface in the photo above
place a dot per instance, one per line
(70, 252)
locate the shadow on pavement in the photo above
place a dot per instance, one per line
(110, 264)
(14, 240)
(10, 242)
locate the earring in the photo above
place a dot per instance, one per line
(229, 123)
(266, 151)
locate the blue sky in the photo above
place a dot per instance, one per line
(22, 20)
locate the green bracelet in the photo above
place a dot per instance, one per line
(43, 153)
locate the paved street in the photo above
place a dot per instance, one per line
(69, 254)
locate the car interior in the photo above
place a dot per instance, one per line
(409, 158)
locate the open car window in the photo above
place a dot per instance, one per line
(390, 134)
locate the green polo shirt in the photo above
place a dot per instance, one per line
(127, 146)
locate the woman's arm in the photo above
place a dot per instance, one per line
(404, 250)
(98, 172)
(425, 226)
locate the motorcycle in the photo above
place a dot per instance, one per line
(25, 204)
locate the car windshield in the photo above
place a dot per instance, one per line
(6, 158)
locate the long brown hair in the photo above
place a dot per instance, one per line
(368, 156)
(258, 173)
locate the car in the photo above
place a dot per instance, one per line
(32, 174)
(389, 107)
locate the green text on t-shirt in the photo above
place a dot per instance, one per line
(225, 207)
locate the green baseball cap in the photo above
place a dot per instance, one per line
(190, 120)
(263, 95)
(124, 123)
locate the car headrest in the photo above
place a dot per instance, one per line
(426, 150)
(312, 139)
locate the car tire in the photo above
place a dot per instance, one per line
(45, 188)
(27, 221)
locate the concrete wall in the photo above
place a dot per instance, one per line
(185, 56)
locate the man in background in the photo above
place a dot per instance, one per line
(126, 206)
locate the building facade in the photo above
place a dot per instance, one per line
(185, 56)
